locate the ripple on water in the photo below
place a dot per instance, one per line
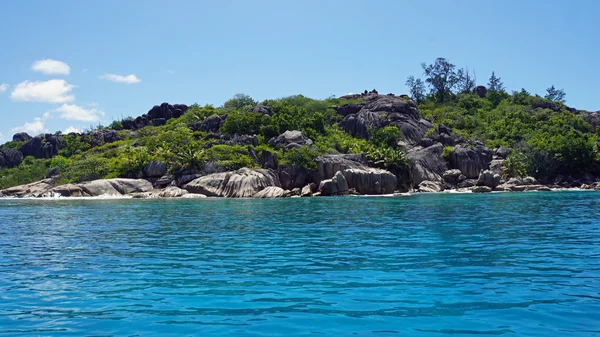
(419, 265)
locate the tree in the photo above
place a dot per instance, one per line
(495, 84)
(555, 95)
(467, 82)
(417, 88)
(442, 77)
(495, 89)
(239, 101)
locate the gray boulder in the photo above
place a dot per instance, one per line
(308, 190)
(489, 179)
(452, 176)
(372, 181)
(117, 186)
(328, 165)
(164, 181)
(426, 164)
(270, 192)
(155, 169)
(430, 186)
(35, 189)
(10, 158)
(172, 192)
(269, 160)
(290, 139)
(470, 160)
(481, 189)
(21, 137)
(337, 185)
(243, 183)
(70, 190)
(193, 196)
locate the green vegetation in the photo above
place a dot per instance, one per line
(546, 136)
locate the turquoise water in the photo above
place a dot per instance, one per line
(523, 264)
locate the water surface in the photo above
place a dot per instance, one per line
(514, 264)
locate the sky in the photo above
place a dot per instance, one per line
(69, 65)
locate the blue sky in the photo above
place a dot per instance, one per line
(125, 56)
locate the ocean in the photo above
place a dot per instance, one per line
(514, 264)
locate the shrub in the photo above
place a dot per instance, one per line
(303, 157)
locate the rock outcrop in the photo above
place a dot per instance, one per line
(369, 180)
(158, 115)
(470, 160)
(328, 165)
(34, 190)
(10, 158)
(426, 164)
(172, 192)
(430, 186)
(21, 137)
(270, 192)
(383, 110)
(209, 124)
(337, 185)
(489, 179)
(44, 146)
(100, 137)
(117, 186)
(243, 183)
(155, 169)
(290, 140)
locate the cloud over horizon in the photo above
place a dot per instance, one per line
(51, 67)
(128, 79)
(51, 91)
(71, 129)
(33, 128)
(74, 112)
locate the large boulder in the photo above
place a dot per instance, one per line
(337, 185)
(243, 183)
(21, 137)
(470, 160)
(155, 169)
(43, 146)
(328, 165)
(368, 180)
(100, 137)
(270, 192)
(290, 139)
(172, 192)
(452, 176)
(430, 186)
(426, 164)
(117, 186)
(378, 111)
(268, 160)
(209, 124)
(489, 179)
(10, 158)
(480, 90)
(35, 189)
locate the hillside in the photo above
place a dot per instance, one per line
(514, 135)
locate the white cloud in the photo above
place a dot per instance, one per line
(52, 91)
(74, 112)
(51, 67)
(3, 87)
(34, 128)
(71, 129)
(129, 79)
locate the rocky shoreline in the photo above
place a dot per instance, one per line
(264, 183)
